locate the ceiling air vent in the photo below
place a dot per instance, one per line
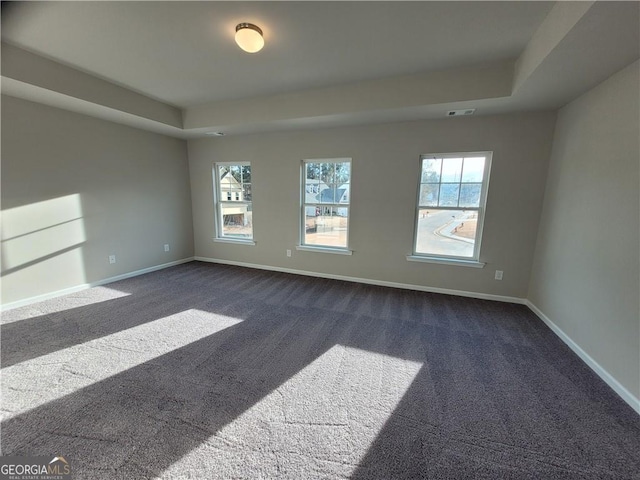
(458, 113)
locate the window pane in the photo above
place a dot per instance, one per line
(226, 180)
(446, 232)
(342, 193)
(236, 220)
(233, 218)
(343, 173)
(449, 194)
(473, 169)
(431, 170)
(236, 173)
(312, 171)
(311, 193)
(326, 183)
(326, 226)
(429, 194)
(311, 214)
(246, 174)
(451, 170)
(470, 194)
(327, 194)
(327, 172)
(246, 192)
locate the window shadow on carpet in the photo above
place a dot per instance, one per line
(310, 378)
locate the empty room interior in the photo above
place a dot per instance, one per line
(368, 240)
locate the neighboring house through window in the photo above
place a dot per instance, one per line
(234, 216)
(451, 205)
(325, 203)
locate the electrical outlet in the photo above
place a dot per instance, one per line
(499, 274)
(166, 247)
(288, 253)
(112, 259)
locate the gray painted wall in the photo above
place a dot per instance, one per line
(76, 189)
(586, 275)
(384, 182)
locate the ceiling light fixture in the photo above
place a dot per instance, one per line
(249, 37)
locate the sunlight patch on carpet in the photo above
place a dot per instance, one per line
(319, 423)
(35, 382)
(83, 298)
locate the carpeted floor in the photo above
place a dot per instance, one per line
(207, 371)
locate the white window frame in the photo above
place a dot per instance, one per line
(303, 205)
(473, 261)
(219, 202)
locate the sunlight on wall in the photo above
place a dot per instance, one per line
(39, 230)
(323, 419)
(33, 383)
(41, 248)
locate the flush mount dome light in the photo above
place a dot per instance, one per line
(249, 37)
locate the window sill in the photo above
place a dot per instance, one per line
(237, 241)
(337, 251)
(446, 261)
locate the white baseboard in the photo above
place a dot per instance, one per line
(84, 286)
(382, 283)
(625, 394)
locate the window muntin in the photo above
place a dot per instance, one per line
(233, 201)
(326, 186)
(451, 202)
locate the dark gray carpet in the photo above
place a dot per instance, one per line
(209, 371)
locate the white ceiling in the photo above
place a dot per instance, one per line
(317, 55)
(183, 53)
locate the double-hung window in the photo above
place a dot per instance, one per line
(233, 203)
(326, 191)
(452, 195)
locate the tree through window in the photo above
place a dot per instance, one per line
(326, 188)
(234, 213)
(451, 205)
